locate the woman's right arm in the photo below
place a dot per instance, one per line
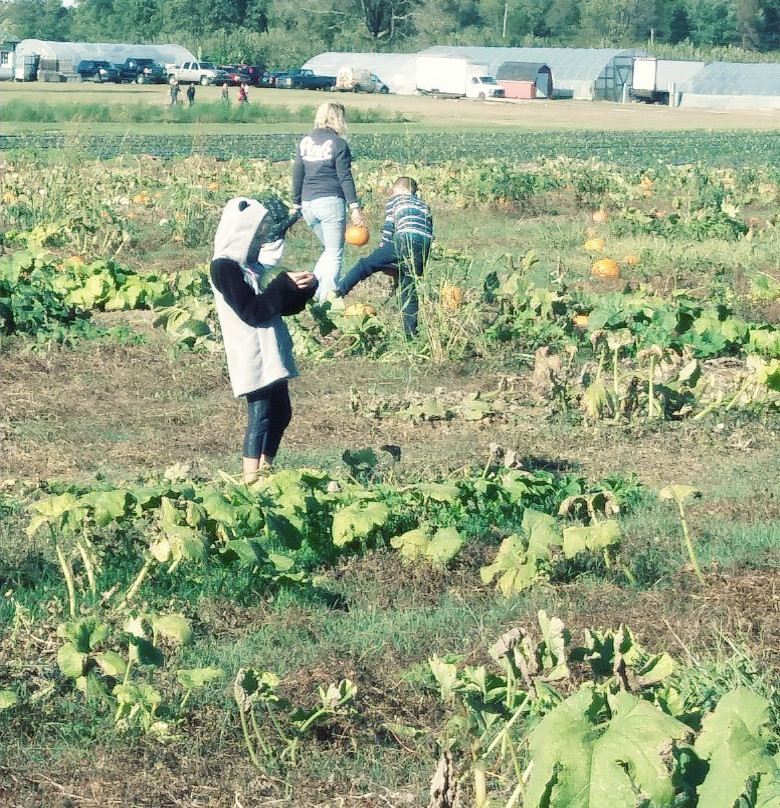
(343, 161)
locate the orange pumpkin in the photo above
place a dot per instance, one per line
(599, 216)
(631, 260)
(594, 245)
(359, 310)
(580, 321)
(356, 234)
(606, 269)
(451, 297)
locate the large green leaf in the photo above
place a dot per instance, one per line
(522, 559)
(8, 699)
(107, 506)
(356, 521)
(111, 663)
(71, 661)
(438, 549)
(191, 678)
(514, 569)
(174, 627)
(593, 538)
(583, 758)
(63, 510)
(86, 634)
(541, 532)
(733, 741)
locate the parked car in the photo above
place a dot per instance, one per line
(236, 75)
(142, 71)
(268, 79)
(196, 73)
(305, 79)
(378, 85)
(255, 73)
(97, 70)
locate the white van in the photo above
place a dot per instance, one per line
(354, 80)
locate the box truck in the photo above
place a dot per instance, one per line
(455, 77)
(654, 78)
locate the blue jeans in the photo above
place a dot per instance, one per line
(406, 258)
(327, 216)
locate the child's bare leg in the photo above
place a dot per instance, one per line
(253, 465)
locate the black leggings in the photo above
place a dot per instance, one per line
(269, 413)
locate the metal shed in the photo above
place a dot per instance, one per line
(396, 70)
(514, 76)
(62, 57)
(597, 74)
(733, 85)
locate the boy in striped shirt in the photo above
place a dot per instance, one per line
(403, 249)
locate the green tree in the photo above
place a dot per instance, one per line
(38, 19)
(749, 18)
(615, 24)
(511, 20)
(713, 22)
(562, 18)
(679, 26)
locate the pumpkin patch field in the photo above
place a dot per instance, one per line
(529, 557)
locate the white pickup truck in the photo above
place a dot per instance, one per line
(196, 73)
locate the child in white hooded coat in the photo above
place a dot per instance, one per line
(249, 242)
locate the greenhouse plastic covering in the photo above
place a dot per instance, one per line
(396, 70)
(733, 85)
(573, 69)
(732, 78)
(109, 52)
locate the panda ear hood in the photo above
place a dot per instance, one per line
(240, 233)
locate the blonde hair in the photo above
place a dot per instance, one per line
(331, 115)
(405, 185)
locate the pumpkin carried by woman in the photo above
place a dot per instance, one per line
(356, 234)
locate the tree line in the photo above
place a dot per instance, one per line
(285, 33)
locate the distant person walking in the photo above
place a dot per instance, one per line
(323, 187)
(225, 93)
(190, 95)
(174, 92)
(242, 97)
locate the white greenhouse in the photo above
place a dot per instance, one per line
(58, 59)
(396, 70)
(733, 85)
(593, 74)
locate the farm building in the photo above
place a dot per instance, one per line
(57, 60)
(7, 59)
(586, 73)
(525, 80)
(396, 70)
(733, 85)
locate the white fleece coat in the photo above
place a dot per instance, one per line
(256, 356)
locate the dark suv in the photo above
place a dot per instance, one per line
(143, 71)
(97, 70)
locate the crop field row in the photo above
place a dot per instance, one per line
(527, 558)
(632, 149)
